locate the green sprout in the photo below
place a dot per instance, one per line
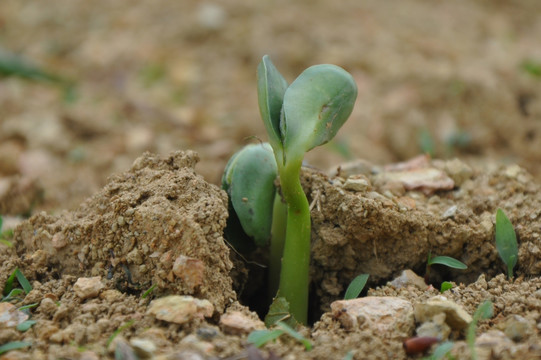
(5, 234)
(356, 286)
(443, 350)
(484, 311)
(446, 285)
(10, 292)
(442, 260)
(506, 242)
(14, 345)
(261, 337)
(297, 117)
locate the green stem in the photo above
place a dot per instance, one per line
(278, 235)
(296, 258)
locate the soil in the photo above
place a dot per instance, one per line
(114, 183)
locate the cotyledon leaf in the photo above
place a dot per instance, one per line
(249, 181)
(271, 87)
(315, 106)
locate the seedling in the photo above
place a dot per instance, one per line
(506, 242)
(11, 293)
(442, 260)
(118, 331)
(261, 337)
(14, 345)
(356, 286)
(484, 311)
(297, 117)
(446, 285)
(148, 292)
(5, 234)
(443, 350)
(26, 325)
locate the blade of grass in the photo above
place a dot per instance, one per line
(291, 332)
(14, 345)
(25, 325)
(9, 282)
(261, 337)
(118, 331)
(23, 281)
(356, 286)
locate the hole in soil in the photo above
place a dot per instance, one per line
(142, 198)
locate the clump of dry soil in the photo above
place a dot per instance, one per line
(161, 224)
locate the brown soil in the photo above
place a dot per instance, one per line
(165, 76)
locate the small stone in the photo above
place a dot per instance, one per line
(180, 309)
(517, 328)
(449, 213)
(58, 241)
(455, 316)
(435, 328)
(10, 316)
(89, 355)
(408, 277)
(191, 271)
(427, 180)
(238, 323)
(384, 315)
(356, 184)
(512, 171)
(204, 346)
(211, 16)
(88, 287)
(47, 307)
(111, 295)
(458, 171)
(144, 348)
(490, 343)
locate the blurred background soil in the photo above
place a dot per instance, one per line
(455, 78)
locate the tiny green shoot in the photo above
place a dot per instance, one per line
(349, 355)
(442, 260)
(446, 285)
(26, 325)
(356, 286)
(532, 68)
(484, 311)
(148, 292)
(5, 234)
(29, 306)
(506, 242)
(14, 345)
(443, 350)
(10, 292)
(261, 337)
(118, 331)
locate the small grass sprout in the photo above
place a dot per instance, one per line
(446, 285)
(356, 286)
(4, 235)
(298, 117)
(13, 345)
(261, 337)
(442, 260)
(115, 333)
(443, 350)
(484, 311)
(506, 242)
(10, 292)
